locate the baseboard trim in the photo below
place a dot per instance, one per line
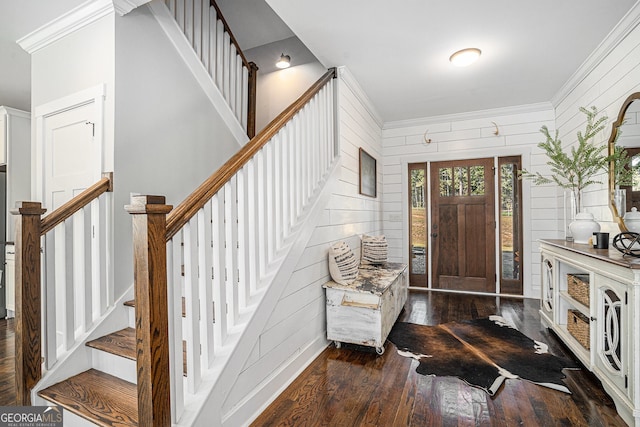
(255, 403)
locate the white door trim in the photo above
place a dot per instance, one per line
(95, 95)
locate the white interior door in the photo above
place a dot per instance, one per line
(71, 154)
(71, 163)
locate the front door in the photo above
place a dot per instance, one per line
(463, 225)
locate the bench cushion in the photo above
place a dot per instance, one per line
(374, 249)
(343, 264)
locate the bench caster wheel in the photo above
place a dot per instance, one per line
(380, 351)
(338, 344)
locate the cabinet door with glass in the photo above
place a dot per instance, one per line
(612, 332)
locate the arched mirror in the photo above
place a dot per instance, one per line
(624, 170)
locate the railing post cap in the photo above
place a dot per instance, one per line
(144, 204)
(28, 208)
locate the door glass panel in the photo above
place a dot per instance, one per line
(461, 181)
(509, 221)
(418, 222)
(477, 180)
(446, 182)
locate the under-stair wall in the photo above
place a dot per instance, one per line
(295, 332)
(168, 135)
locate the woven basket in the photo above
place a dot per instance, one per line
(578, 327)
(578, 287)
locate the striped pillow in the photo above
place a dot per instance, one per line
(343, 264)
(374, 249)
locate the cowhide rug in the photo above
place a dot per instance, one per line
(481, 352)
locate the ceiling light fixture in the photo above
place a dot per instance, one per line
(465, 57)
(284, 61)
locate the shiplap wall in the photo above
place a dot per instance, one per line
(296, 331)
(468, 136)
(605, 80)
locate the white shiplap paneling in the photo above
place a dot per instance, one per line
(466, 137)
(298, 322)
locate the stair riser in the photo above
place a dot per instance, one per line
(114, 365)
(131, 312)
(69, 419)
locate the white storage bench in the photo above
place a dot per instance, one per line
(364, 311)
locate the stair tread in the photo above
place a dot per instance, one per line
(101, 398)
(121, 343)
(132, 303)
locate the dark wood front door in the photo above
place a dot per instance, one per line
(463, 225)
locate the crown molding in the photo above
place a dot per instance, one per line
(123, 7)
(471, 115)
(352, 83)
(75, 19)
(622, 29)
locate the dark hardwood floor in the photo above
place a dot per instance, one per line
(354, 387)
(7, 363)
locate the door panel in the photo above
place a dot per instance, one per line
(72, 160)
(418, 240)
(463, 225)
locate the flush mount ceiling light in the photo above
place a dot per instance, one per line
(465, 57)
(284, 61)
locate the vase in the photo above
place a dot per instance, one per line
(620, 200)
(570, 211)
(583, 227)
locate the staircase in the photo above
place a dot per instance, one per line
(208, 273)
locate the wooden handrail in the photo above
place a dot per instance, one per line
(227, 28)
(66, 211)
(186, 210)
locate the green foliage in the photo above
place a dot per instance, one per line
(575, 170)
(623, 171)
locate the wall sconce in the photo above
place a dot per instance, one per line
(284, 61)
(426, 140)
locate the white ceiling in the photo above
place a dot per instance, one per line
(398, 51)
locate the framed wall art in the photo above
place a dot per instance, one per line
(368, 174)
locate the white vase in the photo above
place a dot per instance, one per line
(583, 227)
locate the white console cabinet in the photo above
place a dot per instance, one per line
(612, 315)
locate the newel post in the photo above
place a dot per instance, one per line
(28, 341)
(152, 323)
(251, 102)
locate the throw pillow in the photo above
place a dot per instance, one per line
(343, 264)
(374, 249)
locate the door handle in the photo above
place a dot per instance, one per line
(434, 234)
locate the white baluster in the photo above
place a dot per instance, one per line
(82, 285)
(176, 367)
(231, 238)
(243, 239)
(286, 180)
(262, 176)
(50, 298)
(205, 287)
(192, 315)
(197, 28)
(253, 235)
(220, 45)
(270, 200)
(233, 56)
(226, 67)
(276, 141)
(213, 43)
(188, 20)
(244, 96)
(219, 263)
(238, 88)
(180, 11)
